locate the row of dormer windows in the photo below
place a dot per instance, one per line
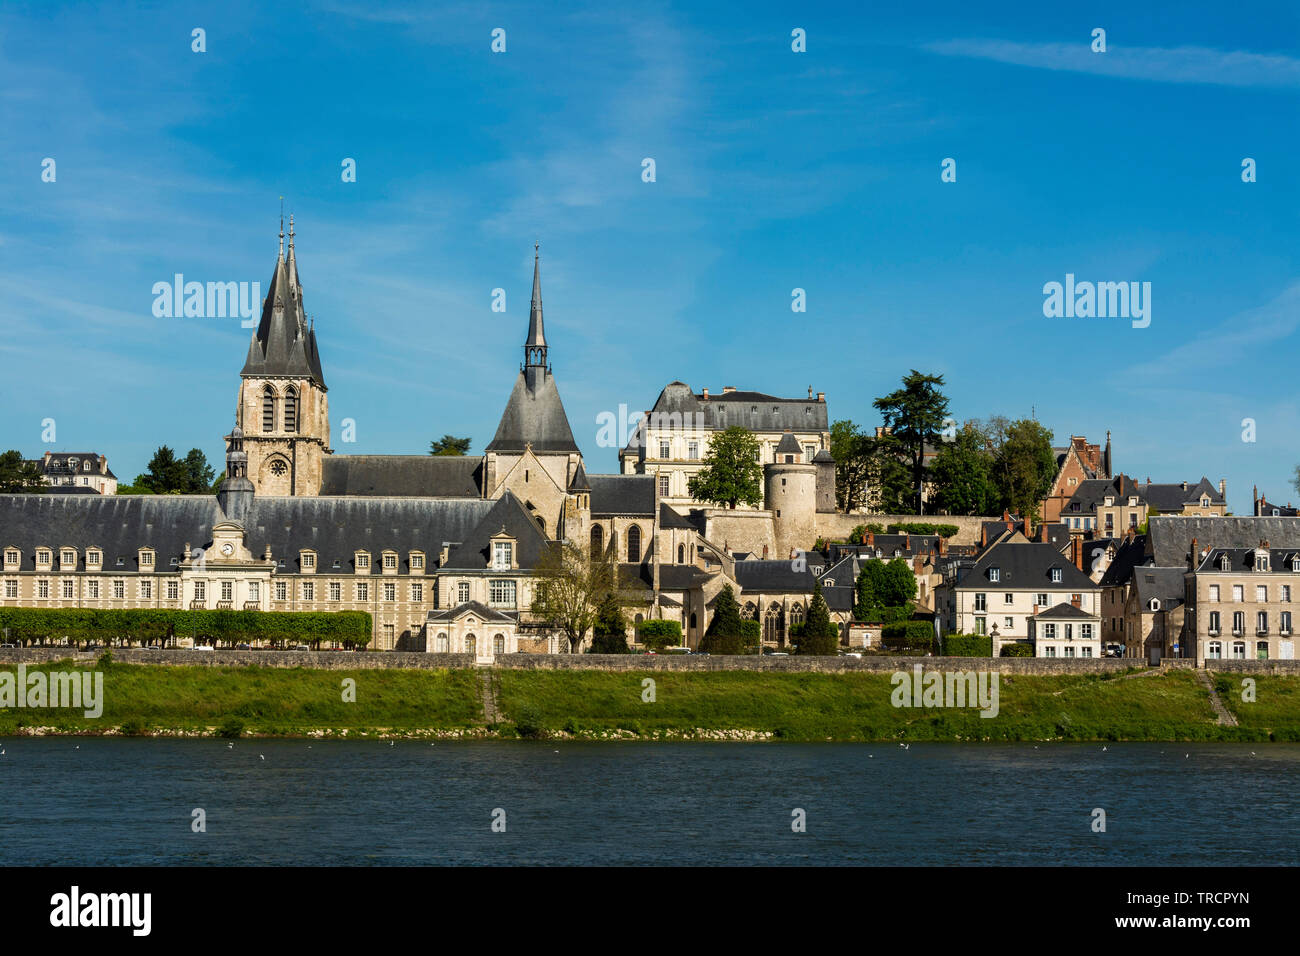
(68, 557)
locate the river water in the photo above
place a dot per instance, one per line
(113, 801)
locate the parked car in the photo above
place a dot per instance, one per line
(852, 654)
(679, 650)
(300, 647)
(243, 647)
(204, 647)
(777, 654)
(8, 645)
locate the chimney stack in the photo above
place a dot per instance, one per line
(1078, 554)
(705, 395)
(871, 539)
(1076, 600)
(1223, 488)
(943, 546)
(1195, 560)
(821, 396)
(1028, 531)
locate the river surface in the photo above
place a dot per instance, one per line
(113, 801)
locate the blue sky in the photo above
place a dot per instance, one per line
(775, 170)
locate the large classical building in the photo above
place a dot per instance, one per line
(73, 473)
(440, 550)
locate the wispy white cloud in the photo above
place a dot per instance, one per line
(1184, 64)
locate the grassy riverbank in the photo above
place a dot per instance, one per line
(146, 699)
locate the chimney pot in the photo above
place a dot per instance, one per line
(705, 393)
(821, 396)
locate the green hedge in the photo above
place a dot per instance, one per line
(923, 527)
(1017, 650)
(656, 634)
(889, 615)
(904, 635)
(350, 628)
(967, 645)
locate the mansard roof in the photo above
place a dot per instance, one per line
(613, 495)
(116, 524)
(420, 476)
(534, 416)
(1170, 536)
(1024, 565)
(1172, 497)
(756, 411)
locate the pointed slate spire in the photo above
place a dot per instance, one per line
(535, 346)
(283, 345)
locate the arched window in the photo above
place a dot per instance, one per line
(597, 541)
(693, 619)
(681, 554)
(499, 644)
(796, 614)
(442, 644)
(268, 409)
(633, 544)
(291, 409)
(774, 625)
(750, 612)
(541, 522)
(471, 644)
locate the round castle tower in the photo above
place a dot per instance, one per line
(790, 492)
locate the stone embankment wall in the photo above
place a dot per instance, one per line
(322, 660)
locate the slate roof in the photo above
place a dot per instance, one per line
(1242, 560)
(284, 344)
(789, 445)
(1025, 566)
(505, 513)
(1172, 497)
(579, 480)
(772, 576)
(756, 411)
(402, 476)
(1093, 491)
(884, 546)
(1064, 610)
(1165, 584)
(471, 607)
(1130, 553)
(622, 495)
(1170, 536)
(116, 524)
(534, 415)
(57, 464)
(670, 518)
(1263, 507)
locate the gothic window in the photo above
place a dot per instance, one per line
(291, 409)
(774, 625)
(268, 409)
(597, 541)
(633, 544)
(796, 614)
(681, 554)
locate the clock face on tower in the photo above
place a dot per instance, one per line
(227, 549)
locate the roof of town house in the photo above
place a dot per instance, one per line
(73, 462)
(755, 411)
(1164, 584)
(1170, 498)
(622, 495)
(1093, 492)
(1063, 610)
(1263, 507)
(1169, 537)
(885, 546)
(1025, 565)
(1130, 553)
(402, 476)
(1245, 560)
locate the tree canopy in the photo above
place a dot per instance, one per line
(914, 415)
(169, 475)
(19, 476)
(730, 473)
(962, 474)
(449, 445)
(572, 591)
(820, 634)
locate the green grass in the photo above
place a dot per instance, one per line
(144, 698)
(858, 707)
(1272, 714)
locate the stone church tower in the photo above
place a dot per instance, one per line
(533, 453)
(283, 412)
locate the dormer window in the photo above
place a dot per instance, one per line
(44, 556)
(146, 559)
(828, 582)
(1261, 560)
(307, 559)
(12, 557)
(417, 560)
(1224, 562)
(94, 558)
(1110, 499)
(995, 575)
(68, 558)
(1295, 563)
(1056, 575)
(503, 555)
(1205, 502)
(362, 559)
(390, 560)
